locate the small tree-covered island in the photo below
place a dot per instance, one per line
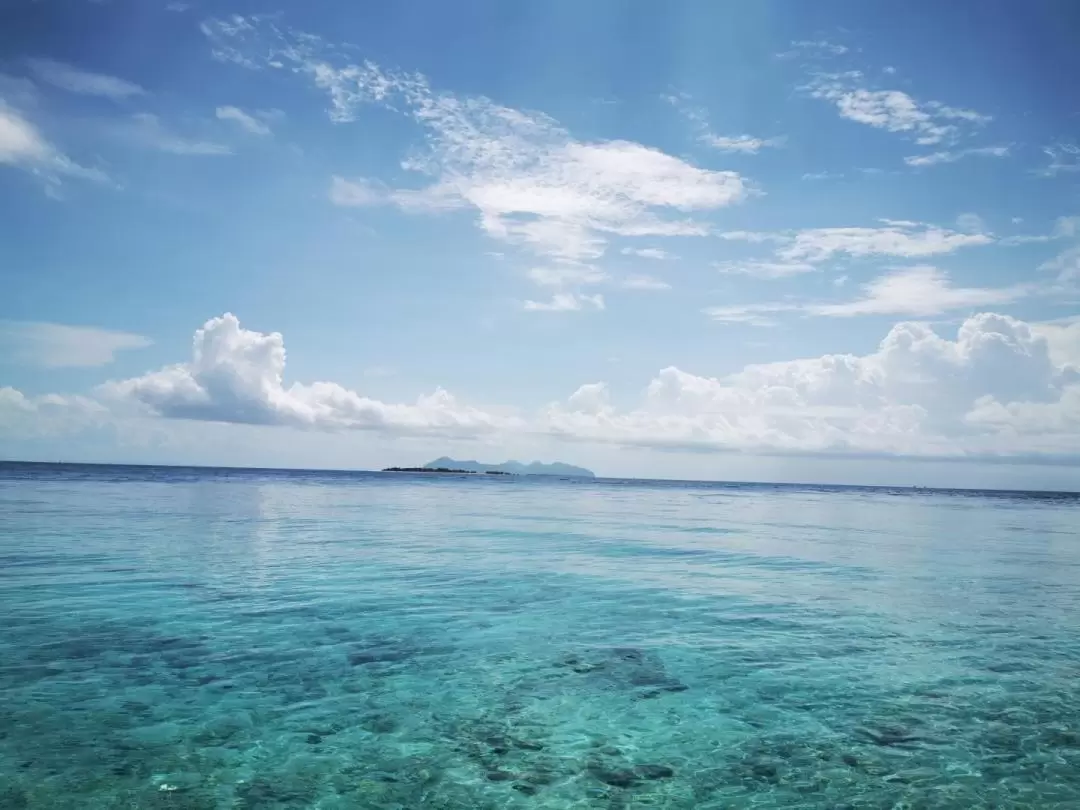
(449, 465)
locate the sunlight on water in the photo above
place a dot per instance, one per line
(201, 639)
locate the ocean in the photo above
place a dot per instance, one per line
(208, 638)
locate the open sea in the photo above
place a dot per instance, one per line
(211, 639)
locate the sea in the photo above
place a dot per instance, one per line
(212, 639)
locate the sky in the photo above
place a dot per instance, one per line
(784, 241)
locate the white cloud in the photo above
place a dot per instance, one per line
(23, 417)
(1064, 158)
(643, 282)
(894, 238)
(249, 123)
(529, 181)
(54, 345)
(760, 269)
(971, 223)
(177, 7)
(821, 176)
(1066, 265)
(360, 193)
(24, 147)
(1063, 228)
(819, 47)
(750, 314)
(935, 158)
(566, 274)
(74, 80)
(994, 390)
(648, 253)
(755, 237)
(746, 144)
(236, 375)
(146, 130)
(566, 302)
(893, 110)
(919, 291)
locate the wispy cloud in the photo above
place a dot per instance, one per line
(643, 282)
(566, 302)
(928, 123)
(763, 269)
(83, 82)
(530, 181)
(935, 158)
(648, 253)
(919, 291)
(254, 124)
(812, 48)
(23, 146)
(1064, 159)
(747, 144)
(53, 345)
(146, 130)
(566, 275)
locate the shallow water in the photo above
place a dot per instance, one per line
(223, 639)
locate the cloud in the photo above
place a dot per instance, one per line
(1064, 159)
(919, 291)
(935, 158)
(750, 314)
(971, 223)
(1063, 228)
(361, 193)
(561, 275)
(249, 123)
(54, 345)
(646, 283)
(819, 47)
(648, 253)
(236, 375)
(24, 147)
(747, 144)
(822, 176)
(28, 417)
(566, 302)
(529, 181)
(83, 82)
(893, 238)
(893, 110)
(1066, 265)
(146, 130)
(993, 391)
(760, 269)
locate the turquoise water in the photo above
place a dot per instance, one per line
(223, 639)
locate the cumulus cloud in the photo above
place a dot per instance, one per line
(927, 123)
(237, 375)
(951, 156)
(54, 345)
(27, 417)
(528, 180)
(993, 390)
(24, 147)
(253, 124)
(83, 82)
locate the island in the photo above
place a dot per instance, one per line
(511, 468)
(444, 470)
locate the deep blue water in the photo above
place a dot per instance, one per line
(186, 638)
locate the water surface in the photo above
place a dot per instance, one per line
(185, 638)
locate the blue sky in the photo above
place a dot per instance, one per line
(794, 241)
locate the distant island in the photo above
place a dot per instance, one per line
(511, 468)
(449, 465)
(443, 470)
